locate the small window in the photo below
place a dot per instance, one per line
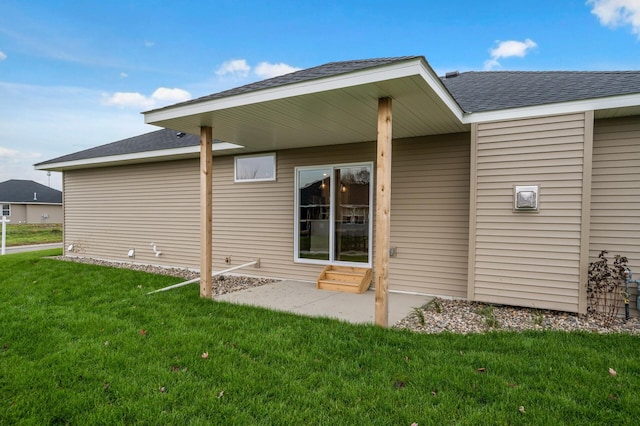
(255, 168)
(6, 210)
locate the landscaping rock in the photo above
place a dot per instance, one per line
(460, 316)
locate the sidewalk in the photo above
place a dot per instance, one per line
(303, 298)
(34, 247)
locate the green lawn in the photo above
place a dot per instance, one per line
(26, 233)
(83, 344)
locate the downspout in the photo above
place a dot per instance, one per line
(215, 274)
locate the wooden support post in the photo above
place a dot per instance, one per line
(383, 211)
(206, 222)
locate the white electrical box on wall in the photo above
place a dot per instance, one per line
(526, 198)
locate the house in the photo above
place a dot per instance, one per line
(26, 201)
(498, 187)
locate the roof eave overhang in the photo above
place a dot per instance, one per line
(622, 105)
(31, 203)
(416, 66)
(324, 111)
(137, 158)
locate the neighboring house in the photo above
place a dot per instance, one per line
(500, 187)
(26, 201)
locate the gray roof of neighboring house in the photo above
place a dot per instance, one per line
(22, 192)
(474, 92)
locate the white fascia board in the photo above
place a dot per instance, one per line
(342, 81)
(438, 87)
(136, 156)
(554, 109)
(30, 203)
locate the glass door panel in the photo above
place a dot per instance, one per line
(351, 215)
(314, 198)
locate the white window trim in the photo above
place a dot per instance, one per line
(296, 217)
(268, 154)
(2, 212)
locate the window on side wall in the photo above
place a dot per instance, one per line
(6, 210)
(255, 168)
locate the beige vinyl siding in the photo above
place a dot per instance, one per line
(44, 213)
(254, 220)
(430, 215)
(113, 209)
(529, 259)
(615, 194)
(110, 210)
(18, 213)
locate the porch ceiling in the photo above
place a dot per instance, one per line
(335, 110)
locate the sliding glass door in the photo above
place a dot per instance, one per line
(333, 214)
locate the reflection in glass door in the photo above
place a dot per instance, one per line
(334, 214)
(351, 218)
(314, 200)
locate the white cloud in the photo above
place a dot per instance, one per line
(8, 153)
(149, 43)
(3, 56)
(508, 49)
(124, 75)
(70, 119)
(236, 67)
(15, 164)
(615, 13)
(268, 70)
(129, 100)
(162, 96)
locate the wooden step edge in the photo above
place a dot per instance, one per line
(351, 274)
(338, 287)
(339, 282)
(351, 269)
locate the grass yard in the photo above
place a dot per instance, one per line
(27, 233)
(83, 344)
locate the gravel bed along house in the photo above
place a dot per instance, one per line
(461, 316)
(437, 316)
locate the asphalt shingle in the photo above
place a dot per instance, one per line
(495, 90)
(22, 191)
(154, 141)
(474, 92)
(327, 70)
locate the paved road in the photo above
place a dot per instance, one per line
(20, 249)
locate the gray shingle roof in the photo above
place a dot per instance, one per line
(154, 141)
(494, 90)
(22, 191)
(474, 92)
(327, 70)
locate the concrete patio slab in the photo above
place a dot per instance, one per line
(303, 298)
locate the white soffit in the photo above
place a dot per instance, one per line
(331, 110)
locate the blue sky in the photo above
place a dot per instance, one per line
(77, 74)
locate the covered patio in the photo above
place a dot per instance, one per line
(339, 103)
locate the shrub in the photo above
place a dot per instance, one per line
(605, 286)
